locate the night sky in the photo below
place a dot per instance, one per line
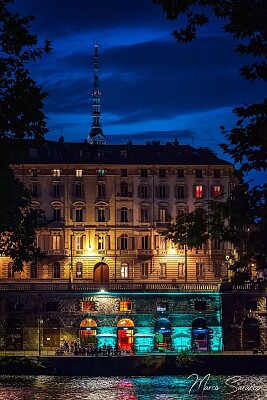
(153, 88)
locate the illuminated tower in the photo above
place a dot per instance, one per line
(96, 135)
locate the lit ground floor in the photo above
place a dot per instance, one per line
(138, 322)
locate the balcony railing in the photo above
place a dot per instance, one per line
(108, 287)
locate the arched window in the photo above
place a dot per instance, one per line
(124, 242)
(124, 214)
(125, 334)
(124, 270)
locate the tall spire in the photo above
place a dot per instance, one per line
(96, 135)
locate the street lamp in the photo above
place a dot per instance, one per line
(40, 324)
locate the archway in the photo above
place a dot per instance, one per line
(51, 333)
(88, 328)
(200, 333)
(251, 334)
(14, 334)
(162, 334)
(101, 272)
(125, 334)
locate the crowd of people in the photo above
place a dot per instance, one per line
(91, 349)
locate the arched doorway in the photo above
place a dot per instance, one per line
(51, 333)
(162, 334)
(101, 272)
(125, 334)
(200, 333)
(14, 335)
(251, 334)
(88, 331)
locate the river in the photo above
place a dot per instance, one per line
(133, 388)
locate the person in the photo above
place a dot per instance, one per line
(195, 347)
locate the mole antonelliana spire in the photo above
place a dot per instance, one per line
(96, 135)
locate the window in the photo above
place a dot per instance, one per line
(180, 211)
(56, 270)
(101, 191)
(162, 307)
(198, 173)
(124, 270)
(200, 305)
(101, 215)
(198, 191)
(144, 269)
(57, 214)
(143, 192)
(79, 270)
(218, 269)
(124, 242)
(51, 306)
(162, 243)
(10, 272)
(216, 191)
(180, 173)
(101, 242)
(162, 173)
(216, 244)
(180, 192)
(78, 215)
(88, 306)
(145, 242)
(181, 270)
(56, 242)
(124, 172)
(56, 190)
(101, 172)
(124, 189)
(143, 172)
(124, 214)
(162, 214)
(34, 172)
(79, 244)
(34, 270)
(125, 306)
(56, 172)
(217, 173)
(144, 214)
(78, 190)
(79, 173)
(162, 270)
(34, 188)
(199, 269)
(162, 191)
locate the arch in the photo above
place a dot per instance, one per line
(14, 334)
(51, 333)
(162, 334)
(200, 334)
(87, 332)
(125, 334)
(101, 272)
(81, 204)
(251, 334)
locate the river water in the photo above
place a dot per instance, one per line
(133, 388)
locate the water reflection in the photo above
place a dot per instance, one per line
(135, 388)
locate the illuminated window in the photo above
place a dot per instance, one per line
(56, 172)
(101, 172)
(88, 306)
(79, 244)
(162, 214)
(56, 242)
(79, 173)
(101, 242)
(216, 191)
(181, 270)
(125, 306)
(124, 270)
(162, 270)
(79, 270)
(199, 191)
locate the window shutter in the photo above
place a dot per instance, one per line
(204, 191)
(167, 191)
(107, 242)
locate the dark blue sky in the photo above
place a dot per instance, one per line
(153, 88)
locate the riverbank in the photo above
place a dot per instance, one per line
(151, 365)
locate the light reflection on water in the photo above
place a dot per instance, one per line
(132, 388)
